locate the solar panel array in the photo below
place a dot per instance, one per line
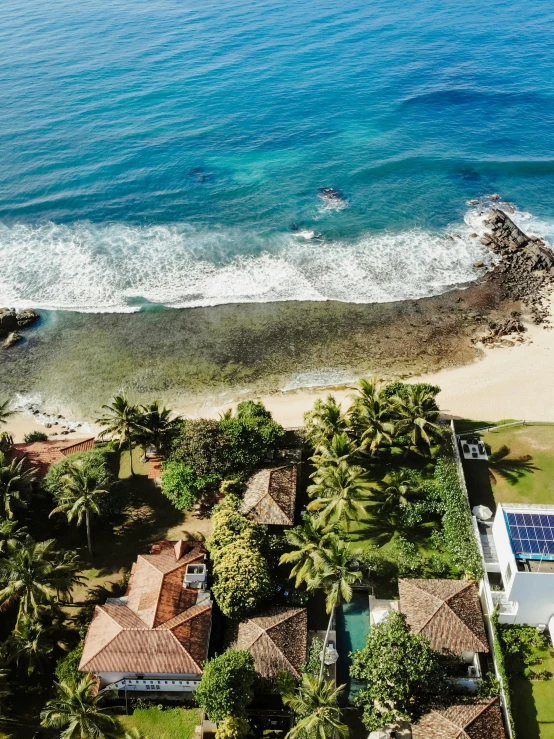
(532, 535)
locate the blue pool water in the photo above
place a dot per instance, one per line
(352, 626)
(159, 150)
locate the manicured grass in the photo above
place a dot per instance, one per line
(522, 464)
(139, 468)
(533, 702)
(173, 723)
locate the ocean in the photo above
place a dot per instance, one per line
(171, 153)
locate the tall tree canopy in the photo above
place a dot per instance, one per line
(226, 685)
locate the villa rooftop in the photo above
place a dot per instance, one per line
(270, 496)
(446, 611)
(42, 454)
(478, 719)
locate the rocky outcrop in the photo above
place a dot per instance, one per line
(12, 322)
(525, 271)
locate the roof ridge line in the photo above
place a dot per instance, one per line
(483, 709)
(466, 627)
(287, 660)
(111, 640)
(461, 590)
(203, 607)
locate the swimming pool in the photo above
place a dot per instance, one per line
(352, 626)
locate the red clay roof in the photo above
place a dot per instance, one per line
(446, 611)
(476, 719)
(42, 454)
(158, 628)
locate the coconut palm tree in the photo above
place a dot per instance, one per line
(29, 645)
(78, 710)
(416, 414)
(121, 422)
(370, 416)
(15, 481)
(11, 535)
(80, 496)
(6, 441)
(335, 576)
(305, 539)
(340, 448)
(6, 412)
(340, 492)
(155, 425)
(396, 489)
(33, 573)
(324, 421)
(315, 703)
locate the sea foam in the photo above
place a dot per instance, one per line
(118, 268)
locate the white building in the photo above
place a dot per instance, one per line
(520, 548)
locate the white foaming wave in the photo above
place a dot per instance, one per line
(319, 378)
(115, 268)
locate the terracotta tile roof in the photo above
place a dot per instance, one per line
(42, 454)
(277, 639)
(158, 627)
(476, 719)
(270, 496)
(446, 611)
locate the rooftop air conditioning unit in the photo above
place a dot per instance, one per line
(195, 574)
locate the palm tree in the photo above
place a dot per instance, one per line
(339, 491)
(416, 413)
(340, 448)
(315, 702)
(6, 412)
(6, 441)
(335, 576)
(370, 416)
(32, 574)
(11, 535)
(324, 421)
(155, 425)
(29, 645)
(80, 496)
(79, 711)
(121, 422)
(15, 480)
(396, 489)
(306, 540)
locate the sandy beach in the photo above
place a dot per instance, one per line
(504, 382)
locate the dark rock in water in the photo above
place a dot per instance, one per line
(495, 196)
(12, 339)
(199, 174)
(26, 317)
(473, 202)
(329, 193)
(293, 227)
(8, 321)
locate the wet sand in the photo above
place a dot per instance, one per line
(202, 359)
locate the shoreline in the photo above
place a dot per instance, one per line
(482, 389)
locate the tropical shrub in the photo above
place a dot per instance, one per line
(97, 463)
(459, 537)
(402, 389)
(233, 727)
(401, 674)
(67, 667)
(183, 486)
(35, 436)
(242, 578)
(226, 685)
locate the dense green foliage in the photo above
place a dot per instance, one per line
(401, 674)
(79, 709)
(459, 536)
(241, 571)
(500, 660)
(231, 447)
(315, 706)
(226, 685)
(67, 667)
(98, 465)
(183, 486)
(35, 436)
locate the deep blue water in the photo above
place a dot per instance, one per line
(159, 150)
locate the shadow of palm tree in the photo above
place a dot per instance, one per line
(511, 469)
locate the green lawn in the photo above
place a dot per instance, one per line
(173, 723)
(522, 464)
(533, 702)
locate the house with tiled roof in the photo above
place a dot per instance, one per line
(156, 637)
(476, 719)
(277, 639)
(449, 613)
(270, 496)
(41, 455)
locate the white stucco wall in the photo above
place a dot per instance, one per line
(109, 678)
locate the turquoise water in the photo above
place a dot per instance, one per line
(352, 629)
(159, 151)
